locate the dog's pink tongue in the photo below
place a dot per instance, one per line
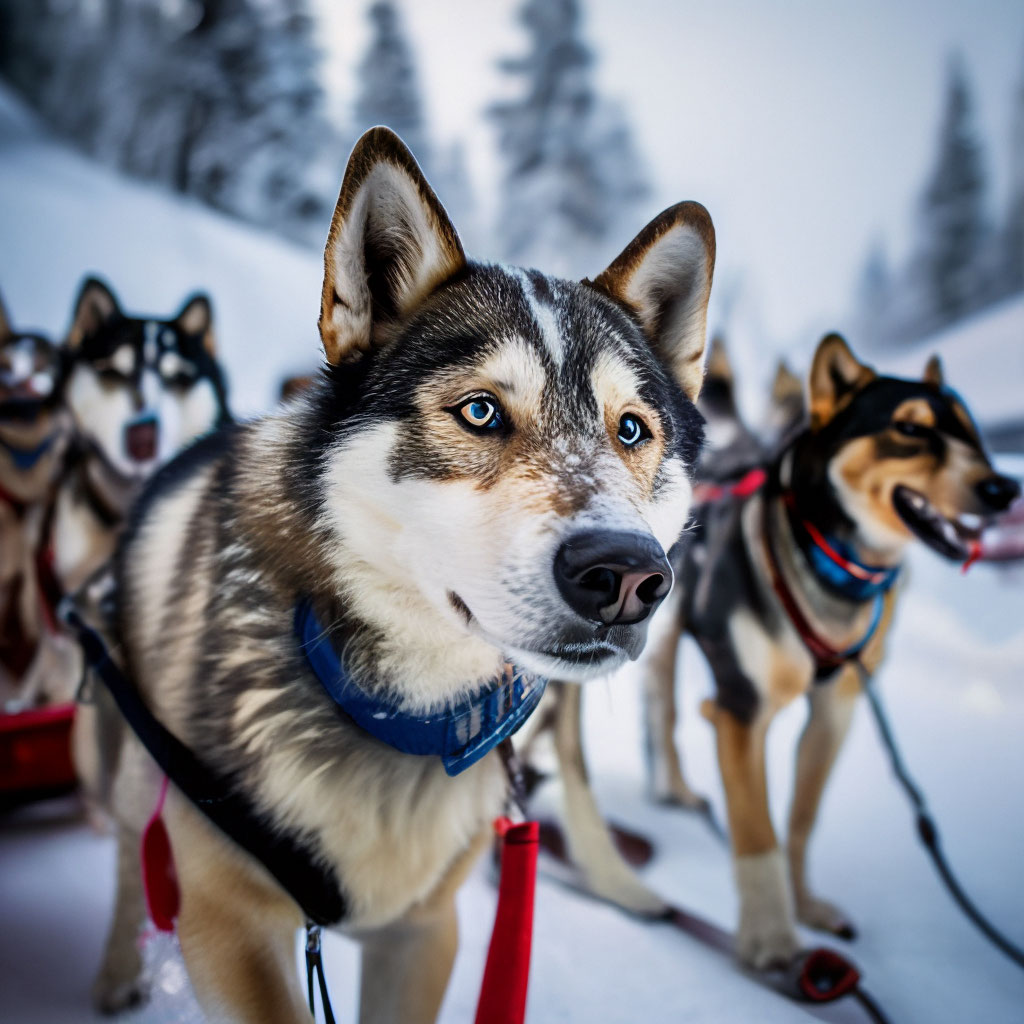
(140, 440)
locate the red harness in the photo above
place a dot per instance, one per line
(827, 657)
(751, 482)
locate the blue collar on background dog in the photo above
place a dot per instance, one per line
(26, 458)
(460, 734)
(835, 563)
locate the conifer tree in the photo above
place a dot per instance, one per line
(1013, 231)
(389, 90)
(572, 176)
(953, 211)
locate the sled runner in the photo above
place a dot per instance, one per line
(819, 979)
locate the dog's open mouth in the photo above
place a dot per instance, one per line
(951, 538)
(140, 438)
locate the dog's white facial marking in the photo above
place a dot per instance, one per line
(101, 413)
(171, 363)
(196, 410)
(123, 360)
(544, 316)
(22, 359)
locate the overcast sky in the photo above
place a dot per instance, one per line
(806, 127)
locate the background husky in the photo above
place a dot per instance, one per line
(882, 462)
(34, 432)
(493, 465)
(139, 389)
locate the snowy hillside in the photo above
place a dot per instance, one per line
(953, 683)
(62, 216)
(983, 358)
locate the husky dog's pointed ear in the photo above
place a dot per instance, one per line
(719, 364)
(836, 375)
(664, 277)
(94, 306)
(786, 383)
(196, 317)
(5, 323)
(933, 375)
(390, 245)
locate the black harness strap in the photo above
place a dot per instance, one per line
(313, 887)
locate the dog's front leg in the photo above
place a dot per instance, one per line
(406, 966)
(236, 927)
(665, 781)
(119, 983)
(590, 844)
(767, 932)
(830, 713)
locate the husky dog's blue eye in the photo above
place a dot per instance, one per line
(632, 430)
(482, 413)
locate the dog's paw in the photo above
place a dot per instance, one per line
(767, 944)
(114, 994)
(678, 794)
(767, 933)
(625, 890)
(823, 916)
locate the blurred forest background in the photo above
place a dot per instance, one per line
(230, 102)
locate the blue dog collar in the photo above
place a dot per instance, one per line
(460, 734)
(26, 458)
(854, 580)
(835, 562)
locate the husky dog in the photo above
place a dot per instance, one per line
(139, 389)
(783, 587)
(493, 465)
(34, 433)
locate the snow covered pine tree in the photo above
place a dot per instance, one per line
(572, 175)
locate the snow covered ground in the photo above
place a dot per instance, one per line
(954, 683)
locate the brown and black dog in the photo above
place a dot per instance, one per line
(783, 587)
(34, 435)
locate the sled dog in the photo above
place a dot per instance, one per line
(139, 389)
(34, 434)
(490, 470)
(782, 586)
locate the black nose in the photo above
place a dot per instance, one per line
(611, 576)
(998, 492)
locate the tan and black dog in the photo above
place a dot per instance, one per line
(491, 468)
(782, 588)
(34, 434)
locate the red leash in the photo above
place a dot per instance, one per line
(507, 974)
(751, 481)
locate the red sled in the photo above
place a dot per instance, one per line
(35, 754)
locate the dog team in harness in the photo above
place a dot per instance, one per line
(308, 640)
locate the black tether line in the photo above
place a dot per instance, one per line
(315, 965)
(870, 1007)
(313, 886)
(928, 830)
